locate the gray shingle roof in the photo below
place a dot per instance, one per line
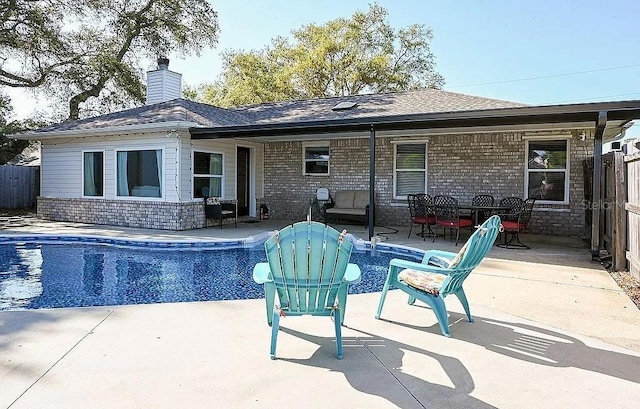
(370, 105)
(169, 111)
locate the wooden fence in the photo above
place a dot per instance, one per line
(19, 186)
(632, 165)
(613, 224)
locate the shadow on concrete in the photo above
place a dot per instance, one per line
(13, 330)
(411, 390)
(537, 345)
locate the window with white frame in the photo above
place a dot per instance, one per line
(139, 173)
(207, 174)
(93, 174)
(410, 169)
(315, 159)
(547, 170)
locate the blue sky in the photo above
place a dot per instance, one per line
(502, 44)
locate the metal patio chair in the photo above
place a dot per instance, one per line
(448, 216)
(514, 227)
(480, 200)
(421, 213)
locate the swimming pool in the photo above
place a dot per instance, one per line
(54, 272)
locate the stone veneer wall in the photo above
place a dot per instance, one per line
(126, 213)
(458, 165)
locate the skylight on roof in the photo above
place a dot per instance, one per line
(343, 106)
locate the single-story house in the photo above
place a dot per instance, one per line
(151, 166)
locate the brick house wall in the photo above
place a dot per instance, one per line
(126, 213)
(457, 165)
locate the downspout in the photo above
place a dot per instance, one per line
(372, 179)
(601, 124)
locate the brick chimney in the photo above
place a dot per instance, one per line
(162, 84)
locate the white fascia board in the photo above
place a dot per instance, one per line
(613, 129)
(111, 130)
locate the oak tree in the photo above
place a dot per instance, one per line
(90, 53)
(345, 56)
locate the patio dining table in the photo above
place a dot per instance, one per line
(476, 210)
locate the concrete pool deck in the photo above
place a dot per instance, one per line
(552, 329)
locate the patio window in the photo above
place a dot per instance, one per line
(207, 174)
(315, 159)
(547, 170)
(410, 169)
(139, 173)
(93, 174)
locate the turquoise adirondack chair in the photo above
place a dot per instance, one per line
(441, 273)
(308, 268)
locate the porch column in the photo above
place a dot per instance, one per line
(601, 124)
(372, 179)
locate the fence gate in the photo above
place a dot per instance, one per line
(613, 226)
(632, 207)
(18, 186)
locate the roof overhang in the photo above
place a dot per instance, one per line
(111, 130)
(619, 115)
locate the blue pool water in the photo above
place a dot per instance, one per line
(40, 273)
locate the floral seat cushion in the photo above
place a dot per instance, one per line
(423, 281)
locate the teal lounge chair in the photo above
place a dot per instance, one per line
(441, 273)
(308, 268)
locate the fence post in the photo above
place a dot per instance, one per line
(632, 207)
(619, 234)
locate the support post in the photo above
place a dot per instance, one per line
(619, 213)
(372, 180)
(596, 201)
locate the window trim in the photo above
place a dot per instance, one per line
(202, 175)
(104, 172)
(566, 171)
(323, 144)
(395, 169)
(162, 182)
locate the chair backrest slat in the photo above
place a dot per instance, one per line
(477, 246)
(308, 261)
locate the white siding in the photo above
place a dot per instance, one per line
(62, 163)
(163, 85)
(259, 161)
(228, 149)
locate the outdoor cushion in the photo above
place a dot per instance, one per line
(455, 223)
(456, 260)
(423, 281)
(509, 225)
(349, 211)
(344, 199)
(361, 199)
